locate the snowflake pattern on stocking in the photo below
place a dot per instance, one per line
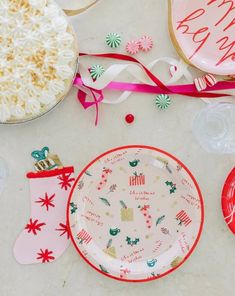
(46, 236)
(45, 256)
(65, 181)
(34, 226)
(46, 201)
(64, 229)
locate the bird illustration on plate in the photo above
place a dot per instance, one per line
(134, 163)
(151, 263)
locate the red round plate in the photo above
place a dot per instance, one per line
(228, 201)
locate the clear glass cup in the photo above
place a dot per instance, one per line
(214, 128)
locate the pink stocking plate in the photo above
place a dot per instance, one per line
(228, 201)
(203, 32)
(135, 213)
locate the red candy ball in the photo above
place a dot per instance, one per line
(130, 118)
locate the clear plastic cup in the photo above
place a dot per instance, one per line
(214, 128)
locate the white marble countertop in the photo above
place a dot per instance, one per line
(70, 132)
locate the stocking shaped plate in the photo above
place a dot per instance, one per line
(203, 33)
(228, 201)
(38, 58)
(135, 213)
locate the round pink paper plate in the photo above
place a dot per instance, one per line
(203, 32)
(135, 213)
(228, 201)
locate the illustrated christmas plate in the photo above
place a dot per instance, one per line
(228, 201)
(135, 213)
(203, 33)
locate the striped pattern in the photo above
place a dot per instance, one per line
(84, 237)
(46, 164)
(146, 43)
(96, 71)
(184, 218)
(133, 47)
(113, 40)
(163, 102)
(210, 80)
(200, 84)
(137, 180)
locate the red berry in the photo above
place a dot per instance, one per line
(130, 118)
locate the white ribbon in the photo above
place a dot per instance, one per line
(136, 71)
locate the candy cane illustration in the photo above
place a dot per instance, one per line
(183, 218)
(148, 218)
(104, 177)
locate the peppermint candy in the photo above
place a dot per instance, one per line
(113, 40)
(146, 43)
(133, 47)
(163, 102)
(96, 71)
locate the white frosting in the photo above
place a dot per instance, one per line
(66, 38)
(17, 111)
(39, 4)
(4, 5)
(47, 97)
(32, 106)
(56, 86)
(64, 71)
(65, 56)
(5, 113)
(36, 58)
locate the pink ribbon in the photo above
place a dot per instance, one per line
(151, 89)
(97, 96)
